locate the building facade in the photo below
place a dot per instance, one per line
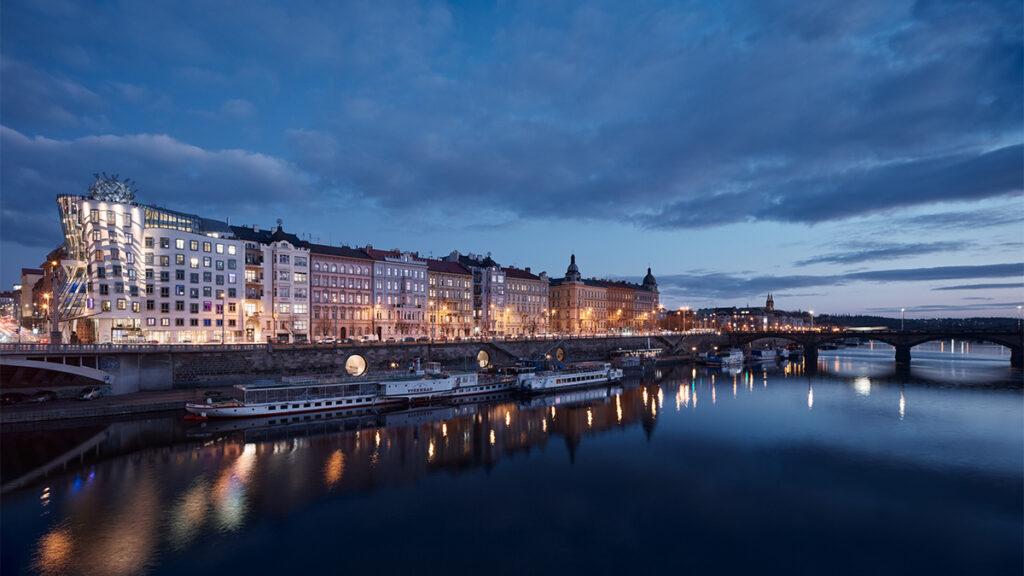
(526, 312)
(137, 273)
(340, 292)
(283, 308)
(399, 294)
(593, 306)
(26, 311)
(489, 292)
(449, 300)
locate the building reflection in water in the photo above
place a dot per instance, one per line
(219, 476)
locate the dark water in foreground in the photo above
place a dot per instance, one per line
(852, 470)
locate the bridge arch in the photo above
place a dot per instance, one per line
(22, 370)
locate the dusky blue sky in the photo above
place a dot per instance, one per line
(847, 156)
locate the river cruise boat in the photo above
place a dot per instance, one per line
(577, 376)
(310, 395)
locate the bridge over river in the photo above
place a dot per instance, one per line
(134, 368)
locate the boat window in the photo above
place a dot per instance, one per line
(272, 407)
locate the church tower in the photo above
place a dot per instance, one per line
(572, 273)
(769, 304)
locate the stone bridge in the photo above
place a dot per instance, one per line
(902, 340)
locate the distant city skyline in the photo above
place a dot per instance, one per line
(847, 159)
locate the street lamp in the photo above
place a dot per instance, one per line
(812, 318)
(1020, 314)
(902, 313)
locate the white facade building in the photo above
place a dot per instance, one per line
(283, 306)
(137, 273)
(399, 294)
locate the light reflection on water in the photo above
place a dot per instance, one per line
(202, 503)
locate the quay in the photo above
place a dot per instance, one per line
(141, 378)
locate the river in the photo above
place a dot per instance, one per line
(851, 468)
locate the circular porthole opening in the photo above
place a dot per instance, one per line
(355, 365)
(483, 359)
(560, 354)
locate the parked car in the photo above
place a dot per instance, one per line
(326, 341)
(423, 339)
(90, 393)
(43, 396)
(11, 398)
(390, 340)
(408, 339)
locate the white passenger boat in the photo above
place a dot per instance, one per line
(315, 394)
(762, 355)
(330, 392)
(578, 376)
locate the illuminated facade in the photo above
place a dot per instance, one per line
(340, 292)
(526, 311)
(283, 308)
(135, 273)
(592, 306)
(449, 300)
(489, 292)
(399, 294)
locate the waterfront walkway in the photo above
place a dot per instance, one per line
(138, 402)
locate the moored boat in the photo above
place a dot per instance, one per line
(731, 357)
(577, 376)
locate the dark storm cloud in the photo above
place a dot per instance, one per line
(36, 170)
(989, 286)
(867, 252)
(665, 115)
(733, 286)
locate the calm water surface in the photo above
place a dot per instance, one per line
(849, 469)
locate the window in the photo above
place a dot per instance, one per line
(165, 242)
(207, 306)
(300, 260)
(219, 248)
(299, 277)
(179, 259)
(193, 277)
(135, 306)
(165, 321)
(179, 243)
(232, 278)
(150, 321)
(193, 262)
(193, 245)
(207, 261)
(207, 246)
(165, 261)
(104, 290)
(150, 305)
(283, 259)
(179, 321)
(232, 265)
(193, 292)
(127, 219)
(207, 276)
(193, 322)
(179, 289)
(301, 309)
(218, 265)
(122, 304)
(129, 239)
(179, 274)
(98, 255)
(105, 305)
(179, 305)
(231, 250)
(165, 292)
(283, 275)
(94, 215)
(193, 307)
